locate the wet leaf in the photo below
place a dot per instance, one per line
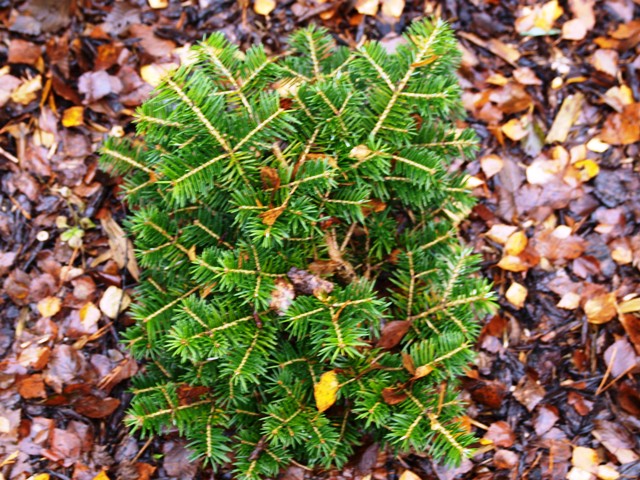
(620, 357)
(325, 391)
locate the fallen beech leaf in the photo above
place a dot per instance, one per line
(21, 51)
(114, 301)
(367, 7)
(539, 19)
(264, 7)
(392, 333)
(32, 387)
(569, 301)
(620, 357)
(601, 308)
(574, 29)
(73, 117)
(154, 73)
(607, 472)
(526, 76)
(158, 4)
(121, 247)
(618, 97)
(585, 458)
(606, 61)
(409, 475)
(27, 91)
(516, 295)
(423, 371)
(566, 117)
(513, 263)
(622, 128)
(392, 8)
(588, 169)
(598, 146)
(308, 284)
(516, 244)
(491, 165)
(325, 391)
(629, 306)
(515, 129)
(270, 216)
(490, 393)
(49, 306)
(615, 438)
(93, 406)
(40, 476)
(505, 459)
(393, 396)
(500, 434)
(500, 233)
(529, 392)
(282, 296)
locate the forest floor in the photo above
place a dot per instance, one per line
(553, 91)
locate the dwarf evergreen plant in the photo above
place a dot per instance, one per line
(304, 286)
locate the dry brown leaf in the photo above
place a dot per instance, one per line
(121, 247)
(392, 333)
(622, 128)
(620, 358)
(601, 308)
(526, 76)
(393, 396)
(270, 216)
(325, 391)
(539, 19)
(566, 117)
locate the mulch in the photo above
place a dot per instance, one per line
(553, 91)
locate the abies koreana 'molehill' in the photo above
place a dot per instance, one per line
(304, 285)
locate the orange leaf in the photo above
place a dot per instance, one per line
(326, 390)
(270, 216)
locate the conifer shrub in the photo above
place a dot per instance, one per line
(304, 286)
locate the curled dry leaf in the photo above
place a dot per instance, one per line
(393, 396)
(325, 391)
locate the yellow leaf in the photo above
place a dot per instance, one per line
(629, 306)
(73, 117)
(566, 117)
(264, 7)
(516, 294)
(585, 458)
(10, 459)
(588, 169)
(512, 263)
(500, 233)
(49, 306)
(326, 390)
(39, 476)
(516, 243)
(101, 476)
(515, 129)
(27, 91)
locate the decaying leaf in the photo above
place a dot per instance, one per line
(121, 247)
(309, 284)
(325, 391)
